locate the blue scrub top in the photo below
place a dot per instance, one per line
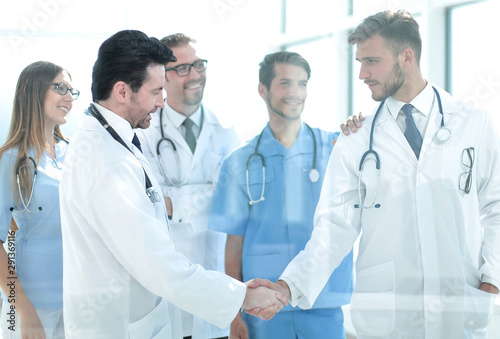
(278, 228)
(38, 242)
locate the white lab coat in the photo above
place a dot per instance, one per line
(423, 253)
(193, 199)
(120, 266)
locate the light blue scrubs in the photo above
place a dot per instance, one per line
(38, 242)
(277, 228)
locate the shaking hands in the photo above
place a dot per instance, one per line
(264, 298)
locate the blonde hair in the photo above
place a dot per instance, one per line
(28, 120)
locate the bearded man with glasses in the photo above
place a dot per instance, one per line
(185, 146)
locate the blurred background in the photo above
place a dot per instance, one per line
(461, 47)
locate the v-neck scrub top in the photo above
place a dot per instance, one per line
(276, 230)
(38, 241)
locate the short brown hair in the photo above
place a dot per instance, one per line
(267, 70)
(399, 30)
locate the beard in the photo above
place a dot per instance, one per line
(390, 88)
(279, 110)
(138, 118)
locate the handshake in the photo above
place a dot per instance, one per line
(264, 298)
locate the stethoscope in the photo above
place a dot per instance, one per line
(31, 161)
(175, 151)
(443, 134)
(313, 173)
(153, 196)
(25, 204)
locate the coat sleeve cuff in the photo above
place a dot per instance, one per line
(297, 298)
(489, 280)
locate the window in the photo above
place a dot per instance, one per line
(474, 75)
(321, 108)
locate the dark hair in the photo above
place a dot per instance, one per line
(177, 40)
(399, 30)
(125, 56)
(267, 70)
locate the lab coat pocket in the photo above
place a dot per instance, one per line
(155, 324)
(478, 308)
(373, 302)
(452, 167)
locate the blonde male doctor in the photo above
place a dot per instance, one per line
(121, 274)
(429, 259)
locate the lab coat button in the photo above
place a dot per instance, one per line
(471, 323)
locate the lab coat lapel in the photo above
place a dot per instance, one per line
(391, 129)
(175, 135)
(435, 121)
(432, 126)
(203, 141)
(159, 207)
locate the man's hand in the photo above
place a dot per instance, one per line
(239, 329)
(489, 288)
(352, 124)
(280, 286)
(261, 300)
(168, 205)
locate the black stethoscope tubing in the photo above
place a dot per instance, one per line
(174, 148)
(96, 114)
(35, 174)
(375, 154)
(162, 132)
(256, 153)
(313, 173)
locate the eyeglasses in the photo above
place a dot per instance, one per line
(184, 69)
(62, 89)
(465, 183)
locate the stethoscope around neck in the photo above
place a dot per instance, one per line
(313, 173)
(443, 134)
(175, 151)
(25, 204)
(30, 163)
(151, 193)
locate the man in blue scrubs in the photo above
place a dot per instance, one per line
(268, 214)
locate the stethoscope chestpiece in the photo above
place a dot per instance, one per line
(443, 134)
(314, 175)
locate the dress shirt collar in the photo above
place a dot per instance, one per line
(422, 102)
(120, 125)
(177, 118)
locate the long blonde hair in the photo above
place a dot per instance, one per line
(27, 127)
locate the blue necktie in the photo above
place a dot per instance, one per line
(136, 142)
(411, 133)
